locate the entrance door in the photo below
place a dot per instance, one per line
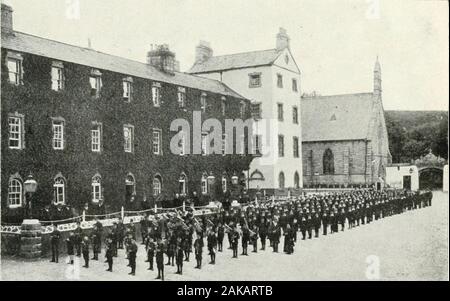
(407, 182)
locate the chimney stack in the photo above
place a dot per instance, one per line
(7, 18)
(203, 52)
(162, 58)
(282, 39)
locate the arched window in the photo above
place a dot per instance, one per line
(296, 180)
(183, 184)
(15, 193)
(204, 183)
(157, 185)
(96, 188)
(328, 162)
(59, 187)
(130, 186)
(256, 175)
(281, 180)
(224, 182)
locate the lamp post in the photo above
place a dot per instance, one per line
(30, 187)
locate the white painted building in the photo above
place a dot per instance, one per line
(402, 176)
(271, 80)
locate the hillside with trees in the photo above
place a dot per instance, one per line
(413, 133)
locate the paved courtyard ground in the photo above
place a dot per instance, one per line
(411, 246)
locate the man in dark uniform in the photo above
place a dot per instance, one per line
(150, 247)
(276, 234)
(198, 248)
(70, 243)
(120, 234)
(324, 223)
(245, 239)
(254, 238)
(235, 241)
(220, 236)
(263, 233)
(160, 249)
(96, 242)
(179, 256)
(132, 256)
(109, 255)
(85, 250)
(78, 232)
(212, 245)
(54, 240)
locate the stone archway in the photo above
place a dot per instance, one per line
(431, 178)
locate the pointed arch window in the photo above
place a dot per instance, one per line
(281, 180)
(204, 183)
(224, 182)
(328, 162)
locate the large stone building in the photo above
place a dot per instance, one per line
(344, 138)
(94, 129)
(271, 80)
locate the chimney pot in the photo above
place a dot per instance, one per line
(282, 39)
(203, 52)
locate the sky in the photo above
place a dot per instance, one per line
(334, 42)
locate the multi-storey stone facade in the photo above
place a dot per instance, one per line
(94, 129)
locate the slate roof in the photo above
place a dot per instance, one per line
(336, 117)
(27, 43)
(235, 61)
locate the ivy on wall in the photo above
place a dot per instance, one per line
(77, 163)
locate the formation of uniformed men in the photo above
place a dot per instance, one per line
(179, 233)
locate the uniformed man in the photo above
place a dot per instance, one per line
(78, 233)
(109, 255)
(198, 249)
(235, 241)
(245, 239)
(254, 238)
(96, 242)
(132, 256)
(220, 236)
(179, 256)
(212, 245)
(160, 249)
(54, 240)
(85, 250)
(70, 243)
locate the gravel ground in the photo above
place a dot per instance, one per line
(411, 246)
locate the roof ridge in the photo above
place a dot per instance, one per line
(336, 95)
(245, 52)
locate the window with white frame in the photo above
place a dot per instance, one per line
(181, 97)
(96, 137)
(58, 134)
(127, 87)
(204, 184)
(16, 131)
(15, 72)
(156, 94)
(157, 185)
(256, 110)
(95, 80)
(57, 76)
(128, 134)
(183, 184)
(15, 193)
(203, 102)
(96, 189)
(59, 187)
(204, 144)
(156, 141)
(224, 183)
(280, 145)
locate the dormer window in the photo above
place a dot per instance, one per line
(95, 80)
(127, 85)
(57, 76)
(15, 71)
